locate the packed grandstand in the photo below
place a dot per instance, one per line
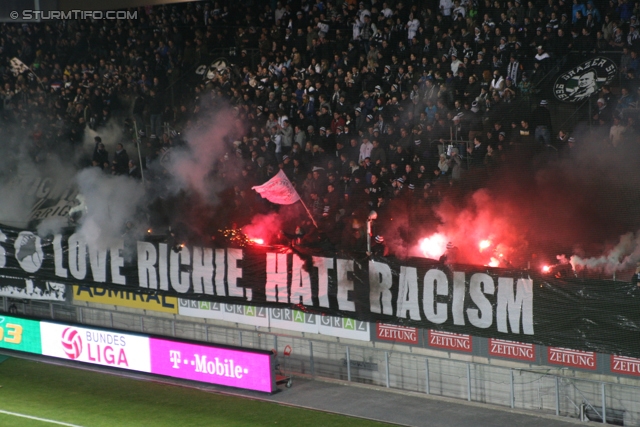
(407, 128)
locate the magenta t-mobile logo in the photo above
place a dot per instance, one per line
(222, 368)
(175, 357)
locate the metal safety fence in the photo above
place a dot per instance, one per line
(542, 390)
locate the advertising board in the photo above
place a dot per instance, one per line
(512, 350)
(625, 365)
(287, 319)
(293, 320)
(344, 327)
(215, 365)
(126, 298)
(396, 333)
(100, 347)
(20, 334)
(571, 358)
(450, 341)
(243, 314)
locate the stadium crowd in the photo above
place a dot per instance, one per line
(363, 105)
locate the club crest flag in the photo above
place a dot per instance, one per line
(278, 190)
(18, 67)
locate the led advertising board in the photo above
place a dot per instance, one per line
(20, 334)
(215, 365)
(223, 366)
(100, 347)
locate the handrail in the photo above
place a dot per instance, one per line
(579, 108)
(553, 70)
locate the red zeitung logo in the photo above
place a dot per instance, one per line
(71, 343)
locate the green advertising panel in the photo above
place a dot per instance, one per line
(20, 334)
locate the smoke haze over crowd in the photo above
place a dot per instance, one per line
(579, 206)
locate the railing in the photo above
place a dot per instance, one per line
(553, 392)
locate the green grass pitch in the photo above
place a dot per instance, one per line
(91, 399)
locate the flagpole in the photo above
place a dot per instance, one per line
(307, 209)
(36, 76)
(135, 129)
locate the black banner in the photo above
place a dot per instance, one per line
(516, 305)
(585, 80)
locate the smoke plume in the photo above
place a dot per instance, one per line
(111, 203)
(623, 256)
(191, 166)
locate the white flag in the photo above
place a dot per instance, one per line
(18, 67)
(278, 190)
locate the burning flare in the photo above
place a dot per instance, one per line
(433, 246)
(484, 244)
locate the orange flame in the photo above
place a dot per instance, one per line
(484, 244)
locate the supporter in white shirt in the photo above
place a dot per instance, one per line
(455, 64)
(445, 7)
(355, 27)
(459, 9)
(365, 148)
(497, 84)
(279, 12)
(412, 27)
(362, 13)
(386, 11)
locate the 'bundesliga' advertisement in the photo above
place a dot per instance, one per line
(105, 348)
(231, 367)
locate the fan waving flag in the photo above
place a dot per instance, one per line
(18, 67)
(278, 190)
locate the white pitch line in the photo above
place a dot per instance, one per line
(15, 414)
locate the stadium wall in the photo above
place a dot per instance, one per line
(412, 367)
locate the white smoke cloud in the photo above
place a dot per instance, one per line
(17, 200)
(110, 134)
(115, 205)
(27, 185)
(53, 225)
(624, 255)
(112, 202)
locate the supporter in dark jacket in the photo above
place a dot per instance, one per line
(120, 165)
